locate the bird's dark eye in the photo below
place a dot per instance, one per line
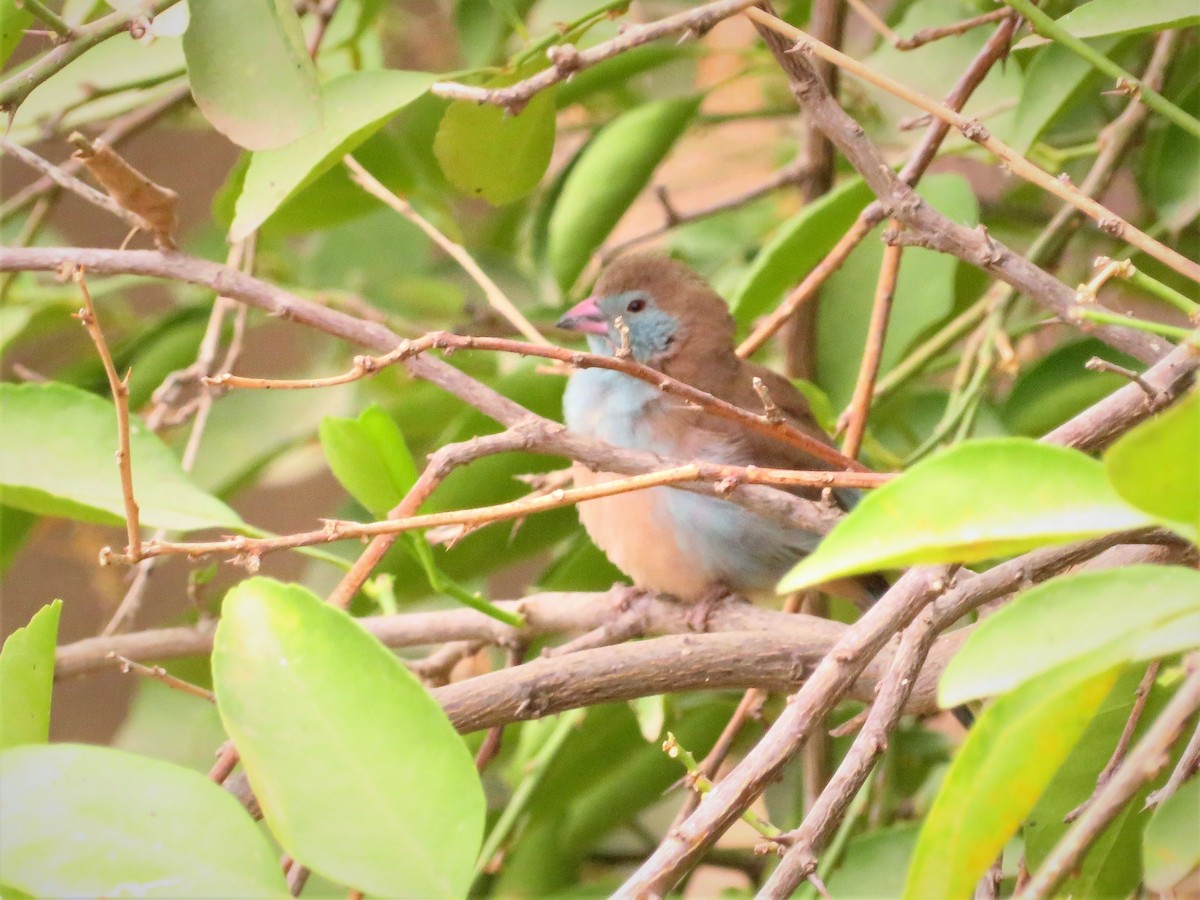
(636, 305)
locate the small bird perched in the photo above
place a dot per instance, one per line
(693, 546)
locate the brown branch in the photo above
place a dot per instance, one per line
(84, 191)
(1114, 141)
(158, 673)
(120, 128)
(928, 35)
(567, 60)
(21, 83)
(994, 50)
(120, 392)
(830, 681)
(929, 227)
(340, 529)
(1188, 763)
(1108, 221)
(1141, 695)
(1142, 764)
(800, 861)
(855, 416)
(775, 427)
(553, 437)
(827, 20)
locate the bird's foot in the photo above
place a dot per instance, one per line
(708, 603)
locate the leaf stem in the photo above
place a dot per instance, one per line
(1046, 26)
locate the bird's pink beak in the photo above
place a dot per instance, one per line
(585, 316)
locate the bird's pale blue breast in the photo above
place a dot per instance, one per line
(731, 545)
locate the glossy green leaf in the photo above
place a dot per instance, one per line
(487, 152)
(1125, 610)
(1058, 386)
(1010, 755)
(359, 774)
(370, 458)
(1171, 844)
(84, 821)
(795, 247)
(356, 106)
(1111, 867)
(979, 500)
(1102, 17)
(609, 174)
(924, 294)
(874, 864)
(57, 460)
(27, 679)
(14, 19)
(1055, 80)
(1156, 466)
(250, 71)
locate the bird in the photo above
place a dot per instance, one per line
(693, 546)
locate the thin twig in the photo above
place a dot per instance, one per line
(1141, 695)
(75, 186)
(21, 83)
(120, 392)
(50, 17)
(1188, 763)
(1108, 221)
(158, 673)
(339, 530)
(775, 427)
(995, 48)
(496, 298)
(928, 35)
(1142, 763)
(855, 416)
(567, 60)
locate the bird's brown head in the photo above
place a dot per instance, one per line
(670, 312)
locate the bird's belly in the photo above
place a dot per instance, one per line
(637, 534)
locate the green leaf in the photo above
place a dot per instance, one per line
(83, 821)
(924, 294)
(1056, 79)
(1156, 466)
(1101, 17)
(1112, 865)
(356, 105)
(487, 152)
(57, 460)
(359, 774)
(27, 679)
(250, 71)
(795, 247)
(1058, 386)
(874, 864)
(1039, 630)
(1171, 844)
(15, 525)
(14, 19)
(609, 174)
(370, 458)
(979, 500)
(995, 779)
